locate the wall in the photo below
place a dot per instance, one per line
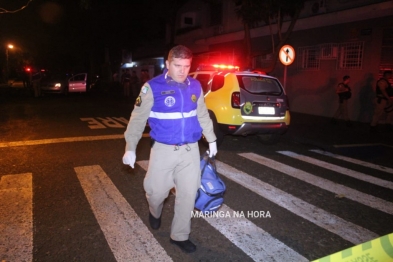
(313, 91)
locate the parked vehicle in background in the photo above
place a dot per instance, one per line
(54, 83)
(16, 83)
(63, 83)
(78, 83)
(244, 102)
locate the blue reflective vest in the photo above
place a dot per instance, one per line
(173, 118)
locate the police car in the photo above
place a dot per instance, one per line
(244, 102)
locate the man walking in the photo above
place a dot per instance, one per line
(344, 94)
(174, 106)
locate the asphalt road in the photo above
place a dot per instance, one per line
(66, 196)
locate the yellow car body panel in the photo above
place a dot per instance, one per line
(220, 103)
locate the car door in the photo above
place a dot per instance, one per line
(77, 83)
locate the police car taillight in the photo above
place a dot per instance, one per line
(235, 100)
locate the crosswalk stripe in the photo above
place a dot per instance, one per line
(16, 212)
(126, 234)
(347, 230)
(339, 169)
(355, 161)
(254, 241)
(63, 140)
(365, 199)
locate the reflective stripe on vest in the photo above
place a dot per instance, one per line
(176, 115)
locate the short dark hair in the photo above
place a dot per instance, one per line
(180, 51)
(388, 72)
(346, 77)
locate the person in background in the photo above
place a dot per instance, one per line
(125, 82)
(383, 102)
(134, 85)
(36, 84)
(344, 94)
(174, 106)
(144, 76)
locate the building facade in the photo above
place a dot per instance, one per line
(331, 38)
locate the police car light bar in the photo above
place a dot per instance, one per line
(217, 67)
(222, 66)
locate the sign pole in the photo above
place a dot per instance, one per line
(285, 76)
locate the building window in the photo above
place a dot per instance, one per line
(351, 55)
(263, 61)
(328, 51)
(188, 20)
(309, 58)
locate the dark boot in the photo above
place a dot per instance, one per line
(155, 223)
(186, 245)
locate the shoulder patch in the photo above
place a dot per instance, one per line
(138, 101)
(144, 89)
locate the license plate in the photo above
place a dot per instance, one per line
(266, 110)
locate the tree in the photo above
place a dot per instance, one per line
(269, 12)
(3, 10)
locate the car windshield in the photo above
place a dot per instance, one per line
(54, 77)
(259, 85)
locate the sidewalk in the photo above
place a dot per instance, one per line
(317, 131)
(7, 90)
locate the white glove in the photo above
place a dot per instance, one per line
(212, 149)
(129, 158)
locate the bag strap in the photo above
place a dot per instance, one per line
(208, 160)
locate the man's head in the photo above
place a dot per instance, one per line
(346, 79)
(179, 63)
(387, 74)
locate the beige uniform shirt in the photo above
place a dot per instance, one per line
(141, 113)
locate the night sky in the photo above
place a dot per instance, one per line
(63, 34)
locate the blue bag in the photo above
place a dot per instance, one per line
(210, 195)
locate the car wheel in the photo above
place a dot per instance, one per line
(268, 139)
(217, 131)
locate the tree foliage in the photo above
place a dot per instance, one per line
(5, 10)
(273, 14)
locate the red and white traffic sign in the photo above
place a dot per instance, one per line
(287, 55)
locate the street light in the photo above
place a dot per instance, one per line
(9, 46)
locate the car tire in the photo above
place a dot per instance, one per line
(269, 139)
(219, 134)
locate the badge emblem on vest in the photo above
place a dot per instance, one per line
(247, 108)
(170, 101)
(193, 98)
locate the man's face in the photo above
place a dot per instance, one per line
(178, 69)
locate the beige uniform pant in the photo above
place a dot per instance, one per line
(342, 110)
(171, 166)
(379, 111)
